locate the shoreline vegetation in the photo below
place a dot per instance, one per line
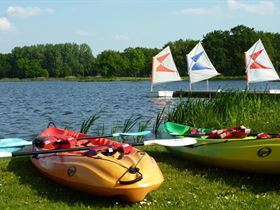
(225, 110)
(105, 79)
(224, 48)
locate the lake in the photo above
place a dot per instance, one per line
(27, 107)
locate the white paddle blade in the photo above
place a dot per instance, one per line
(171, 142)
(5, 154)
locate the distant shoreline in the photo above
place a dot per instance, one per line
(104, 79)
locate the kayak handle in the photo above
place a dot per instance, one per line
(51, 124)
(133, 170)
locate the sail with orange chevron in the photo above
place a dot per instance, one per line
(259, 67)
(164, 68)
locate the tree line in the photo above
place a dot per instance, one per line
(224, 48)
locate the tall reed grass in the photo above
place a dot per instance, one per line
(259, 112)
(132, 124)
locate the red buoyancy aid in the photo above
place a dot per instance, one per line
(234, 132)
(264, 136)
(59, 141)
(63, 141)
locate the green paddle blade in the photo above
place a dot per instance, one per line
(13, 144)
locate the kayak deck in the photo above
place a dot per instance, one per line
(246, 154)
(104, 171)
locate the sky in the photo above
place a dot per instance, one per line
(119, 24)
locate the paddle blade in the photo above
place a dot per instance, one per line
(13, 144)
(142, 133)
(171, 142)
(5, 154)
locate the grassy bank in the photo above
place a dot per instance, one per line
(260, 113)
(187, 186)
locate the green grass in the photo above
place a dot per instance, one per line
(187, 185)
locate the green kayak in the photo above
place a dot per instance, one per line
(244, 154)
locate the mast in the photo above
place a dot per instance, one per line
(152, 82)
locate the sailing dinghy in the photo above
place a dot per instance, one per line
(199, 66)
(163, 70)
(259, 67)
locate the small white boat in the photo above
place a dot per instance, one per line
(259, 67)
(164, 70)
(199, 66)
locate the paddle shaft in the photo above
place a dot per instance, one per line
(140, 133)
(163, 142)
(94, 137)
(16, 154)
(273, 135)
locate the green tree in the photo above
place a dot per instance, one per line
(30, 68)
(5, 66)
(241, 39)
(110, 63)
(136, 61)
(216, 46)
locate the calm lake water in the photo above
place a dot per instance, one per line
(27, 107)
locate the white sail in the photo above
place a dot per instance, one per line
(259, 67)
(199, 65)
(164, 68)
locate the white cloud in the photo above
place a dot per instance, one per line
(199, 11)
(260, 8)
(5, 24)
(24, 12)
(121, 37)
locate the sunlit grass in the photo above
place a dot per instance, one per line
(187, 186)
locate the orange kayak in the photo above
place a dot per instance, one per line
(108, 169)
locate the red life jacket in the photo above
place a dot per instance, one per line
(234, 132)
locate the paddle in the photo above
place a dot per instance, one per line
(162, 142)
(140, 133)
(273, 135)
(17, 142)
(14, 142)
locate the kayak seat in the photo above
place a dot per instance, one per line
(177, 128)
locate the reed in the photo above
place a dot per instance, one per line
(259, 112)
(159, 119)
(132, 124)
(88, 123)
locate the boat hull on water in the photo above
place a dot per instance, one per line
(131, 176)
(244, 154)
